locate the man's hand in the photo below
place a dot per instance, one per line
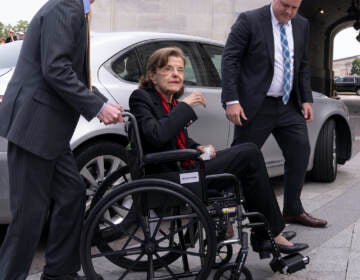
(111, 114)
(308, 111)
(194, 99)
(235, 113)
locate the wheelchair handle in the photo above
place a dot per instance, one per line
(135, 127)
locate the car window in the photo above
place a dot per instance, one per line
(192, 73)
(348, 79)
(212, 60)
(127, 67)
(357, 80)
(215, 54)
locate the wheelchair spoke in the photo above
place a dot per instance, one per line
(182, 252)
(120, 228)
(126, 272)
(176, 231)
(129, 239)
(166, 267)
(150, 272)
(124, 252)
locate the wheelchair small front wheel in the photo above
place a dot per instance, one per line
(228, 272)
(224, 254)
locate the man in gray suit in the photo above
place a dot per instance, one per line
(266, 89)
(41, 107)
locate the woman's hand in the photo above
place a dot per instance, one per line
(207, 152)
(194, 99)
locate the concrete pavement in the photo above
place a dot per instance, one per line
(334, 251)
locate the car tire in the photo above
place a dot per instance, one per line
(98, 161)
(358, 91)
(325, 157)
(3, 229)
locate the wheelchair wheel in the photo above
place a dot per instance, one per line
(227, 273)
(120, 212)
(149, 242)
(223, 255)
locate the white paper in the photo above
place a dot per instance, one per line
(191, 177)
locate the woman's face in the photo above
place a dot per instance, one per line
(169, 79)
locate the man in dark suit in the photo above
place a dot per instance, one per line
(40, 110)
(266, 89)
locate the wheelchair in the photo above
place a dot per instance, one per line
(169, 225)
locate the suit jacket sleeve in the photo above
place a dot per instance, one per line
(158, 132)
(304, 70)
(235, 48)
(60, 32)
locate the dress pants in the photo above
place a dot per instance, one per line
(288, 126)
(247, 163)
(42, 190)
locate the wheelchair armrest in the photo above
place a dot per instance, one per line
(222, 177)
(168, 156)
(227, 177)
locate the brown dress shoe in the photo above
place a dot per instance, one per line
(306, 219)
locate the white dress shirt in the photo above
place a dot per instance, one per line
(276, 87)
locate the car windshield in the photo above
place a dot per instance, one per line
(9, 54)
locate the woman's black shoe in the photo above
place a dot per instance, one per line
(296, 247)
(265, 249)
(288, 234)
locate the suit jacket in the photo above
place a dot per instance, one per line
(48, 92)
(248, 61)
(158, 129)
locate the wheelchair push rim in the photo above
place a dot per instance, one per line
(151, 242)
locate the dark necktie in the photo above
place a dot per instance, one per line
(286, 63)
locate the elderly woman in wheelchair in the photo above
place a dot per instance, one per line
(162, 124)
(175, 222)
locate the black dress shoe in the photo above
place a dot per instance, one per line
(288, 234)
(296, 247)
(265, 249)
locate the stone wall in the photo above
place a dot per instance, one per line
(206, 18)
(342, 67)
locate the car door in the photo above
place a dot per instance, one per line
(271, 151)
(348, 84)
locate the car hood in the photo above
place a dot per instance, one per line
(4, 71)
(5, 76)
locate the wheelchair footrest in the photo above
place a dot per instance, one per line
(290, 263)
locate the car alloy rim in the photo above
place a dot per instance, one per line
(95, 172)
(334, 160)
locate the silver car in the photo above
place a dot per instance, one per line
(117, 62)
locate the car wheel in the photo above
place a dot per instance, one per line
(96, 162)
(3, 229)
(325, 157)
(358, 91)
